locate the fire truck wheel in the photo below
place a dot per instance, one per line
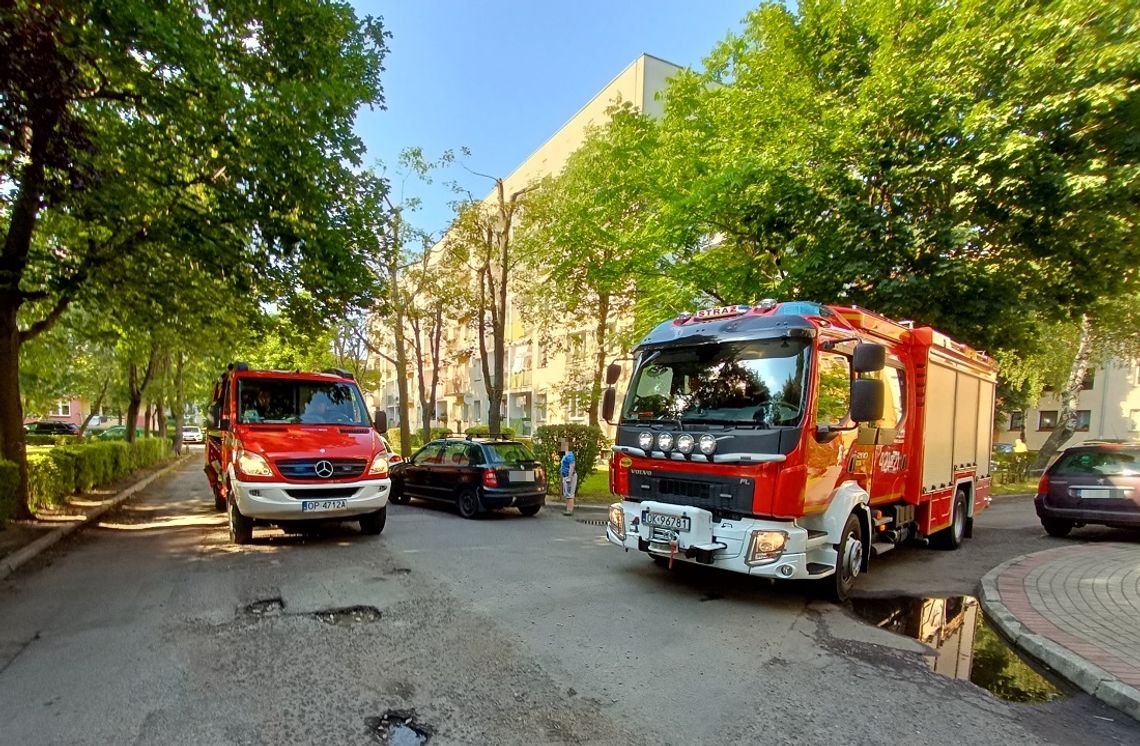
(241, 528)
(468, 504)
(850, 561)
(950, 538)
(373, 523)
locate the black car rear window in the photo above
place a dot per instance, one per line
(1114, 462)
(508, 453)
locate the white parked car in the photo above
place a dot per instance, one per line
(192, 434)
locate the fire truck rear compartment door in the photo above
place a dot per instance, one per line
(938, 438)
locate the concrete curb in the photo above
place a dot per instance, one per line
(580, 507)
(16, 559)
(1086, 676)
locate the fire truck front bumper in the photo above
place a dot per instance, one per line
(286, 501)
(771, 549)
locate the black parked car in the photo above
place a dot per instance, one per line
(1098, 484)
(476, 475)
(50, 427)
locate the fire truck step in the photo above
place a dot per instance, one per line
(880, 548)
(819, 569)
(815, 539)
(883, 520)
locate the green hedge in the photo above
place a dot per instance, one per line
(52, 440)
(393, 436)
(65, 470)
(9, 480)
(587, 442)
(1013, 467)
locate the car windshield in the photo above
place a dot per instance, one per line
(281, 400)
(1124, 462)
(509, 453)
(759, 383)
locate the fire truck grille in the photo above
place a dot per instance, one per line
(684, 488)
(306, 468)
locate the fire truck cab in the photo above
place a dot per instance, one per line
(291, 448)
(797, 440)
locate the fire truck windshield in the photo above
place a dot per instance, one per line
(298, 401)
(758, 383)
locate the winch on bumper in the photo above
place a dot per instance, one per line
(775, 549)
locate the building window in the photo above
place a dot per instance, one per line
(540, 408)
(1084, 419)
(1047, 419)
(478, 410)
(62, 408)
(1134, 418)
(1017, 421)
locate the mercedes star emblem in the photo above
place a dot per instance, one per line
(324, 469)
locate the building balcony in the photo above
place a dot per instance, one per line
(520, 380)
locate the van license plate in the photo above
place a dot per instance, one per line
(316, 506)
(522, 476)
(660, 520)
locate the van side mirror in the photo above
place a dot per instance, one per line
(613, 373)
(380, 420)
(609, 401)
(867, 396)
(869, 357)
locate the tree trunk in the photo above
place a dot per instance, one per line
(600, 359)
(136, 385)
(12, 446)
(421, 381)
(97, 405)
(148, 420)
(1067, 413)
(179, 403)
(401, 353)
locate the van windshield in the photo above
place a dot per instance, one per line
(296, 401)
(758, 383)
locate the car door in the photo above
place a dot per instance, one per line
(455, 473)
(417, 472)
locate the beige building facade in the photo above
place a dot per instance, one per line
(1108, 408)
(544, 368)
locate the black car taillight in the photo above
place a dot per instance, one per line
(1043, 485)
(490, 478)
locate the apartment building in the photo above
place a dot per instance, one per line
(545, 369)
(1108, 408)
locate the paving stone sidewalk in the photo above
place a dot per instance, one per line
(1077, 610)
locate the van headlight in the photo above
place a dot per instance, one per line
(379, 466)
(253, 465)
(617, 521)
(766, 546)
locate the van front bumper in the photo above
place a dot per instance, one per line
(285, 501)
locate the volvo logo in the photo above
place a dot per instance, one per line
(324, 469)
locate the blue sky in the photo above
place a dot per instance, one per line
(501, 76)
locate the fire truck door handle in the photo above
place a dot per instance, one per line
(902, 466)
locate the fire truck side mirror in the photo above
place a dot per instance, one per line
(869, 357)
(609, 399)
(867, 396)
(613, 373)
(380, 420)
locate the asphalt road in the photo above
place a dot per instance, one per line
(151, 629)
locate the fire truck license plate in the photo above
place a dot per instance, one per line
(675, 522)
(311, 506)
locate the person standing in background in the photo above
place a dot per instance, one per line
(569, 479)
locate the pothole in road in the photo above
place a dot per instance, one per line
(265, 607)
(350, 616)
(966, 646)
(398, 728)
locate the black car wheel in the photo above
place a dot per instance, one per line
(468, 504)
(529, 510)
(373, 523)
(1057, 527)
(398, 495)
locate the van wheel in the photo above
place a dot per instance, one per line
(468, 504)
(849, 561)
(373, 523)
(241, 528)
(1057, 527)
(950, 538)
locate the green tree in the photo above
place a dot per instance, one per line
(136, 137)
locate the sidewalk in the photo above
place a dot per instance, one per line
(1075, 609)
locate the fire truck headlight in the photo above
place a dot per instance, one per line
(645, 440)
(708, 445)
(766, 546)
(617, 521)
(685, 444)
(253, 465)
(665, 441)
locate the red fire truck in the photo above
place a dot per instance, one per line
(293, 448)
(797, 441)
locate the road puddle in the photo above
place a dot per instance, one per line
(398, 728)
(966, 646)
(349, 616)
